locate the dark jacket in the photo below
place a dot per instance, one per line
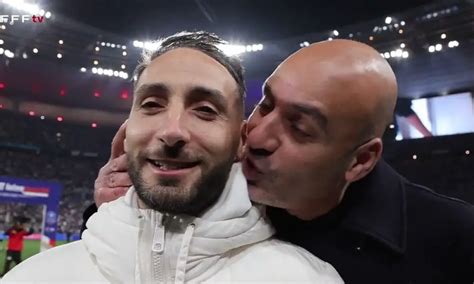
(389, 230)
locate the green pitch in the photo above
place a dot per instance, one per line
(30, 248)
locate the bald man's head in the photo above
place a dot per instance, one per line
(318, 126)
(350, 79)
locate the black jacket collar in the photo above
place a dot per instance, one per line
(376, 207)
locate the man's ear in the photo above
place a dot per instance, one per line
(243, 142)
(364, 160)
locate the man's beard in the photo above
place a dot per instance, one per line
(167, 197)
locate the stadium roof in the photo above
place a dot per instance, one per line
(84, 54)
(245, 20)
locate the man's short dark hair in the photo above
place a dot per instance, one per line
(205, 42)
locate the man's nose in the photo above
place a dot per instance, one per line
(263, 135)
(174, 132)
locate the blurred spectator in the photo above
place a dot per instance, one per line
(15, 242)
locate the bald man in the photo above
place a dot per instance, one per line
(314, 157)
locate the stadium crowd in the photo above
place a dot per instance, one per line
(46, 150)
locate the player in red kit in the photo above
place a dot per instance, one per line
(15, 242)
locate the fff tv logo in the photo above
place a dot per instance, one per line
(12, 19)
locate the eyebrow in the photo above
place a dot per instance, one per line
(195, 93)
(199, 93)
(312, 111)
(147, 89)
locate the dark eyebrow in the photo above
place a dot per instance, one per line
(148, 89)
(312, 111)
(199, 93)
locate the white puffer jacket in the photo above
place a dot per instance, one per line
(231, 242)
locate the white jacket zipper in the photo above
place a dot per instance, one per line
(158, 247)
(180, 276)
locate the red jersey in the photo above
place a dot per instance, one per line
(15, 241)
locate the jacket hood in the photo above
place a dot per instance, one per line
(121, 237)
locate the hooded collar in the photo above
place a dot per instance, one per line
(115, 232)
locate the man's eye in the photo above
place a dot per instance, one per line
(206, 110)
(150, 104)
(299, 131)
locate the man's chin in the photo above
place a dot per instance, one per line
(166, 197)
(259, 195)
(256, 194)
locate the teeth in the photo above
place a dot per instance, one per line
(167, 166)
